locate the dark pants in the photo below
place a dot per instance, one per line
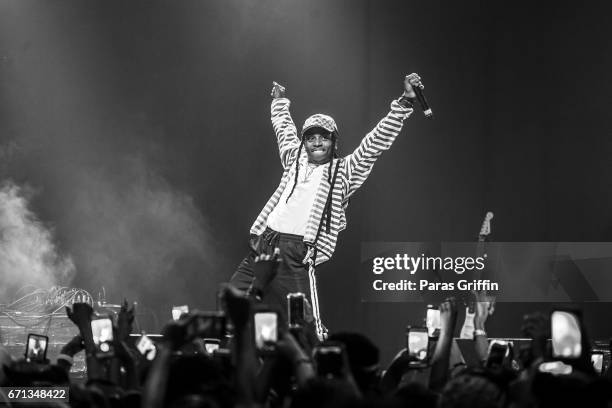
(292, 274)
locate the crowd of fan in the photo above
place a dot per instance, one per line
(184, 374)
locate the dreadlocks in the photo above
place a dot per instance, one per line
(297, 169)
(297, 164)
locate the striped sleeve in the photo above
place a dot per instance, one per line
(285, 130)
(361, 161)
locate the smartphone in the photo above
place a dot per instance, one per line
(36, 348)
(555, 368)
(432, 321)
(102, 332)
(146, 347)
(499, 350)
(178, 311)
(211, 345)
(566, 335)
(295, 309)
(329, 360)
(597, 359)
(266, 329)
(417, 344)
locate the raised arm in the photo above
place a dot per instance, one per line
(483, 308)
(441, 356)
(361, 161)
(284, 128)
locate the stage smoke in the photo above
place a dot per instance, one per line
(28, 255)
(137, 236)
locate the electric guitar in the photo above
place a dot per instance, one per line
(467, 331)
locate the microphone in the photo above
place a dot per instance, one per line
(423, 102)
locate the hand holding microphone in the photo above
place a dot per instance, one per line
(278, 91)
(413, 89)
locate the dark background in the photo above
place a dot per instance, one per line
(122, 115)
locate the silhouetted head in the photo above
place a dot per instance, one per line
(471, 391)
(363, 357)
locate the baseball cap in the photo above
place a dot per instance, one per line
(322, 121)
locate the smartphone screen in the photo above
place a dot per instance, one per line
(566, 335)
(178, 311)
(146, 347)
(556, 368)
(433, 321)
(328, 361)
(266, 329)
(211, 345)
(417, 342)
(597, 360)
(295, 306)
(36, 348)
(102, 332)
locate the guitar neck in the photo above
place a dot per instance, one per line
(480, 245)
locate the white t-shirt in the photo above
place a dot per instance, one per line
(291, 217)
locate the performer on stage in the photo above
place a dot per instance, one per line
(307, 211)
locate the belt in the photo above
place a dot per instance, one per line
(264, 243)
(281, 235)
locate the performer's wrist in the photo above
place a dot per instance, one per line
(406, 102)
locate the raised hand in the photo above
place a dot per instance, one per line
(175, 333)
(484, 306)
(410, 82)
(537, 327)
(265, 267)
(308, 315)
(238, 306)
(125, 318)
(441, 356)
(278, 91)
(80, 314)
(448, 316)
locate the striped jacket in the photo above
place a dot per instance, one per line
(353, 170)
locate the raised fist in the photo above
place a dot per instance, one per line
(448, 315)
(410, 82)
(278, 91)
